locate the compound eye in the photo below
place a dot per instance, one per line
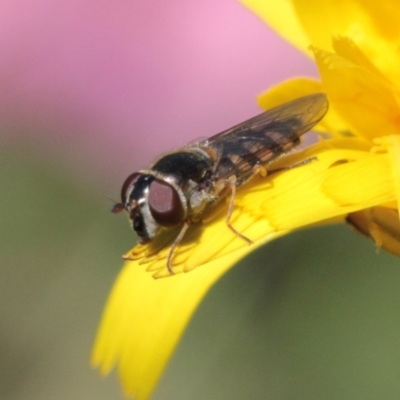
(165, 204)
(129, 181)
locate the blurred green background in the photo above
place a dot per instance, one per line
(313, 315)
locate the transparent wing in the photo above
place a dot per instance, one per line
(261, 139)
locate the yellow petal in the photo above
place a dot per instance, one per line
(391, 144)
(287, 91)
(346, 48)
(282, 17)
(145, 318)
(329, 188)
(381, 224)
(362, 99)
(372, 25)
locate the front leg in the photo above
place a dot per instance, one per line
(177, 240)
(231, 185)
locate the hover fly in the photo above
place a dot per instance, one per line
(178, 188)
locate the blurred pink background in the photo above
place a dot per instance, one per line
(105, 86)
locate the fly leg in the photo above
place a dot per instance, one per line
(232, 187)
(177, 240)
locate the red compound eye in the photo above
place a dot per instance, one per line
(165, 204)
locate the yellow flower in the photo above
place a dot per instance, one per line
(356, 174)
